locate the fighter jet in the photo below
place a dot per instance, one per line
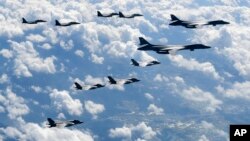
(135, 63)
(122, 81)
(188, 24)
(32, 22)
(121, 15)
(99, 14)
(65, 24)
(87, 87)
(69, 123)
(169, 49)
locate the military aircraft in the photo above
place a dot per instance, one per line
(122, 81)
(65, 24)
(69, 123)
(168, 49)
(32, 22)
(188, 24)
(99, 14)
(87, 87)
(121, 15)
(135, 63)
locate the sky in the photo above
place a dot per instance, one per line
(190, 96)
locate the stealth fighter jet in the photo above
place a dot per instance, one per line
(88, 87)
(68, 123)
(168, 49)
(122, 81)
(65, 24)
(121, 15)
(135, 63)
(99, 14)
(32, 22)
(189, 24)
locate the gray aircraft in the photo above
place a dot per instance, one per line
(122, 81)
(32, 22)
(87, 87)
(99, 14)
(144, 64)
(121, 15)
(188, 24)
(168, 49)
(68, 123)
(65, 24)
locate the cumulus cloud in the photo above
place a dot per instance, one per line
(27, 59)
(4, 78)
(94, 108)
(154, 110)
(149, 96)
(140, 132)
(13, 104)
(201, 99)
(79, 53)
(32, 131)
(237, 90)
(63, 101)
(6, 53)
(96, 59)
(193, 65)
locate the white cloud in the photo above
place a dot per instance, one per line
(6, 53)
(36, 89)
(79, 53)
(67, 45)
(32, 131)
(154, 110)
(4, 78)
(140, 131)
(193, 65)
(96, 59)
(35, 38)
(149, 96)
(27, 58)
(236, 90)
(203, 138)
(63, 101)
(94, 108)
(201, 100)
(13, 104)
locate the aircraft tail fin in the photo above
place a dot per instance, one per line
(121, 14)
(77, 86)
(24, 20)
(57, 23)
(143, 41)
(99, 14)
(51, 122)
(135, 63)
(111, 80)
(174, 18)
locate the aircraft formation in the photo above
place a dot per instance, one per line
(144, 45)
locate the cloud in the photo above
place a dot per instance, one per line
(193, 65)
(154, 110)
(27, 58)
(94, 108)
(149, 96)
(13, 104)
(96, 59)
(200, 99)
(6, 53)
(32, 131)
(63, 101)
(140, 131)
(4, 78)
(236, 90)
(79, 53)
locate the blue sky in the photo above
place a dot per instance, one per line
(189, 96)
